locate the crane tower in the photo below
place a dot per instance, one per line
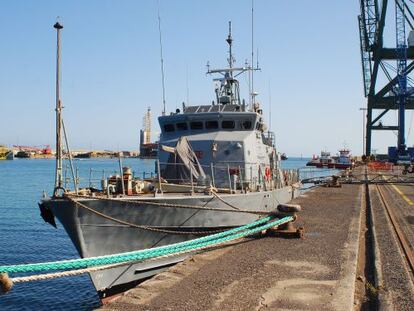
(386, 69)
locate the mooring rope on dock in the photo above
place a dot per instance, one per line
(85, 265)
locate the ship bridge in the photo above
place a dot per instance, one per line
(222, 136)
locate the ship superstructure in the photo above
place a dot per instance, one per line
(226, 136)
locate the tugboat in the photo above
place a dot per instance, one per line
(342, 161)
(216, 165)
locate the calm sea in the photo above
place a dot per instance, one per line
(26, 238)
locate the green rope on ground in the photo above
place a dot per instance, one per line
(211, 240)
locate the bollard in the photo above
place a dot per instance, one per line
(287, 230)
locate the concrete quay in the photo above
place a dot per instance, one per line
(314, 273)
(350, 259)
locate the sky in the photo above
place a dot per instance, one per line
(308, 52)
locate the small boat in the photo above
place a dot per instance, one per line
(5, 153)
(23, 154)
(344, 160)
(283, 157)
(10, 155)
(325, 160)
(86, 155)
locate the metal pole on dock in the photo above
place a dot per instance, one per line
(77, 177)
(90, 177)
(363, 128)
(192, 182)
(228, 173)
(58, 176)
(159, 174)
(65, 176)
(241, 179)
(212, 174)
(122, 173)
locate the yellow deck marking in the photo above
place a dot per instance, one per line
(403, 195)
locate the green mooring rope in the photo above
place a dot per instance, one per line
(194, 244)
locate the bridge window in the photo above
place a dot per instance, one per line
(246, 125)
(211, 125)
(228, 124)
(182, 126)
(198, 125)
(169, 127)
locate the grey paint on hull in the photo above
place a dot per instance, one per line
(94, 235)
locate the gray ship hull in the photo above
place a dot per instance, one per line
(94, 235)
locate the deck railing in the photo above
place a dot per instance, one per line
(232, 176)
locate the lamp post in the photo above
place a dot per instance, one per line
(363, 128)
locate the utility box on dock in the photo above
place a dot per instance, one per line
(392, 154)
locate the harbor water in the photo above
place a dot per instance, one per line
(26, 238)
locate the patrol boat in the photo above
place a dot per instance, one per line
(217, 168)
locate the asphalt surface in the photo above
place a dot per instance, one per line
(314, 273)
(397, 277)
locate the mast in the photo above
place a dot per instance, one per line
(230, 41)
(252, 96)
(229, 92)
(162, 62)
(58, 176)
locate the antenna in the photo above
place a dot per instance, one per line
(230, 41)
(58, 176)
(247, 65)
(162, 62)
(270, 106)
(252, 61)
(187, 88)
